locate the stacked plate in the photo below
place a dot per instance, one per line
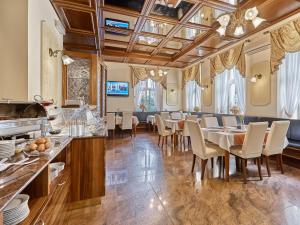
(17, 210)
(7, 148)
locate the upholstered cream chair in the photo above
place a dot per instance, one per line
(275, 143)
(176, 116)
(163, 133)
(126, 124)
(202, 118)
(252, 146)
(111, 122)
(200, 149)
(229, 121)
(210, 122)
(165, 115)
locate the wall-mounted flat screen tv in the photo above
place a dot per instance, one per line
(117, 88)
(118, 24)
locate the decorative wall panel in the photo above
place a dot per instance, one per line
(49, 66)
(260, 92)
(78, 75)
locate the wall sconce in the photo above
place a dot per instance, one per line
(203, 86)
(255, 77)
(54, 53)
(67, 60)
(172, 90)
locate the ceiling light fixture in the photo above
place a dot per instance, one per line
(238, 20)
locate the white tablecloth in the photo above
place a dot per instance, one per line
(151, 119)
(135, 120)
(173, 124)
(224, 139)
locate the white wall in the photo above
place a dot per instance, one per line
(122, 72)
(38, 11)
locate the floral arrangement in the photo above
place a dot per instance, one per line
(236, 111)
(196, 109)
(142, 107)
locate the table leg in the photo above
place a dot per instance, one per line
(174, 140)
(134, 130)
(227, 166)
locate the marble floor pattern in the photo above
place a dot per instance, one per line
(146, 185)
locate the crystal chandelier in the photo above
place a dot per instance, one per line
(168, 3)
(238, 20)
(158, 72)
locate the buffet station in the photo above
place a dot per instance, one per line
(51, 160)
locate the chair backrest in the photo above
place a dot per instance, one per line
(254, 139)
(160, 124)
(192, 117)
(276, 137)
(176, 116)
(127, 121)
(229, 121)
(197, 139)
(165, 115)
(211, 122)
(202, 118)
(111, 121)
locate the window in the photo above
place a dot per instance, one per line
(229, 91)
(149, 94)
(289, 86)
(193, 93)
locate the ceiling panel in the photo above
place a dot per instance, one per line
(177, 33)
(79, 20)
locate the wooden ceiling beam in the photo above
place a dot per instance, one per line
(73, 6)
(135, 55)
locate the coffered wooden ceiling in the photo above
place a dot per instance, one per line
(157, 35)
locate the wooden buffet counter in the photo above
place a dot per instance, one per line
(81, 183)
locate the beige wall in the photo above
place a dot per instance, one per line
(121, 72)
(39, 10)
(20, 44)
(13, 49)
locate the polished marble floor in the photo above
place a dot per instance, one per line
(147, 185)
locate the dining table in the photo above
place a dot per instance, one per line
(227, 138)
(135, 122)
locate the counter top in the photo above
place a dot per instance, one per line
(27, 173)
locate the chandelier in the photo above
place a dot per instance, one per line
(168, 3)
(238, 20)
(158, 72)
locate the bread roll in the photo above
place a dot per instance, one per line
(33, 147)
(47, 145)
(41, 148)
(40, 141)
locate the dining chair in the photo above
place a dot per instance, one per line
(176, 116)
(200, 149)
(252, 146)
(126, 124)
(210, 122)
(275, 143)
(192, 117)
(163, 133)
(111, 122)
(229, 121)
(165, 115)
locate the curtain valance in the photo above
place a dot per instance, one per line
(227, 60)
(285, 39)
(191, 73)
(141, 73)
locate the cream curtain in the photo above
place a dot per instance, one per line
(285, 39)
(190, 74)
(141, 74)
(227, 60)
